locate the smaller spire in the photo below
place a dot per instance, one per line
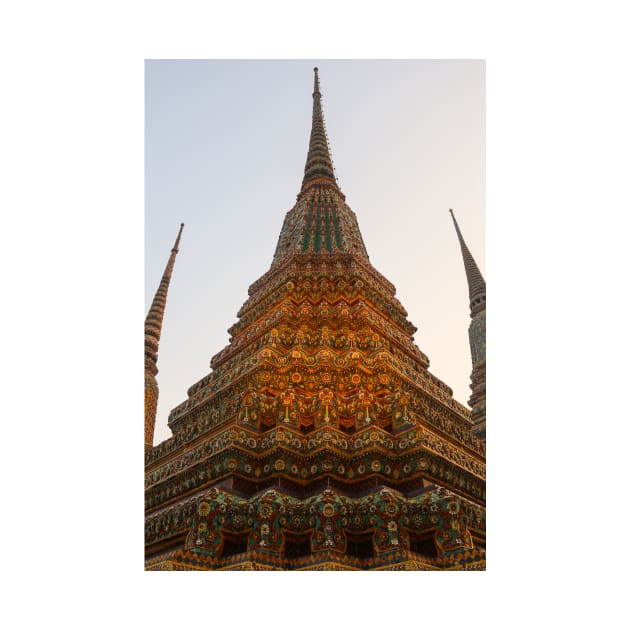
(476, 283)
(152, 332)
(153, 321)
(476, 337)
(316, 84)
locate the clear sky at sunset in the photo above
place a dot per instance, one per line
(226, 143)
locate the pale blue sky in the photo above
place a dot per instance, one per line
(226, 143)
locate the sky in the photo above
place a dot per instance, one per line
(226, 144)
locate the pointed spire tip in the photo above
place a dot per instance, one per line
(476, 283)
(316, 83)
(179, 235)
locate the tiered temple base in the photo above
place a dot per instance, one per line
(276, 530)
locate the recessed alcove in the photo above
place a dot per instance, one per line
(234, 544)
(360, 545)
(423, 544)
(297, 545)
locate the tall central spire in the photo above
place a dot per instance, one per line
(318, 162)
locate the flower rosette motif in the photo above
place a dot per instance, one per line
(452, 507)
(391, 509)
(328, 510)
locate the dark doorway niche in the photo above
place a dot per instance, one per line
(360, 545)
(423, 544)
(297, 545)
(233, 544)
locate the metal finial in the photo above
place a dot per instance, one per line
(179, 235)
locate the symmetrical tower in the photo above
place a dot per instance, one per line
(476, 336)
(152, 332)
(319, 440)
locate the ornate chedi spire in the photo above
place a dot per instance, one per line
(476, 336)
(321, 223)
(318, 161)
(152, 332)
(319, 439)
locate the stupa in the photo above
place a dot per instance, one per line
(319, 440)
